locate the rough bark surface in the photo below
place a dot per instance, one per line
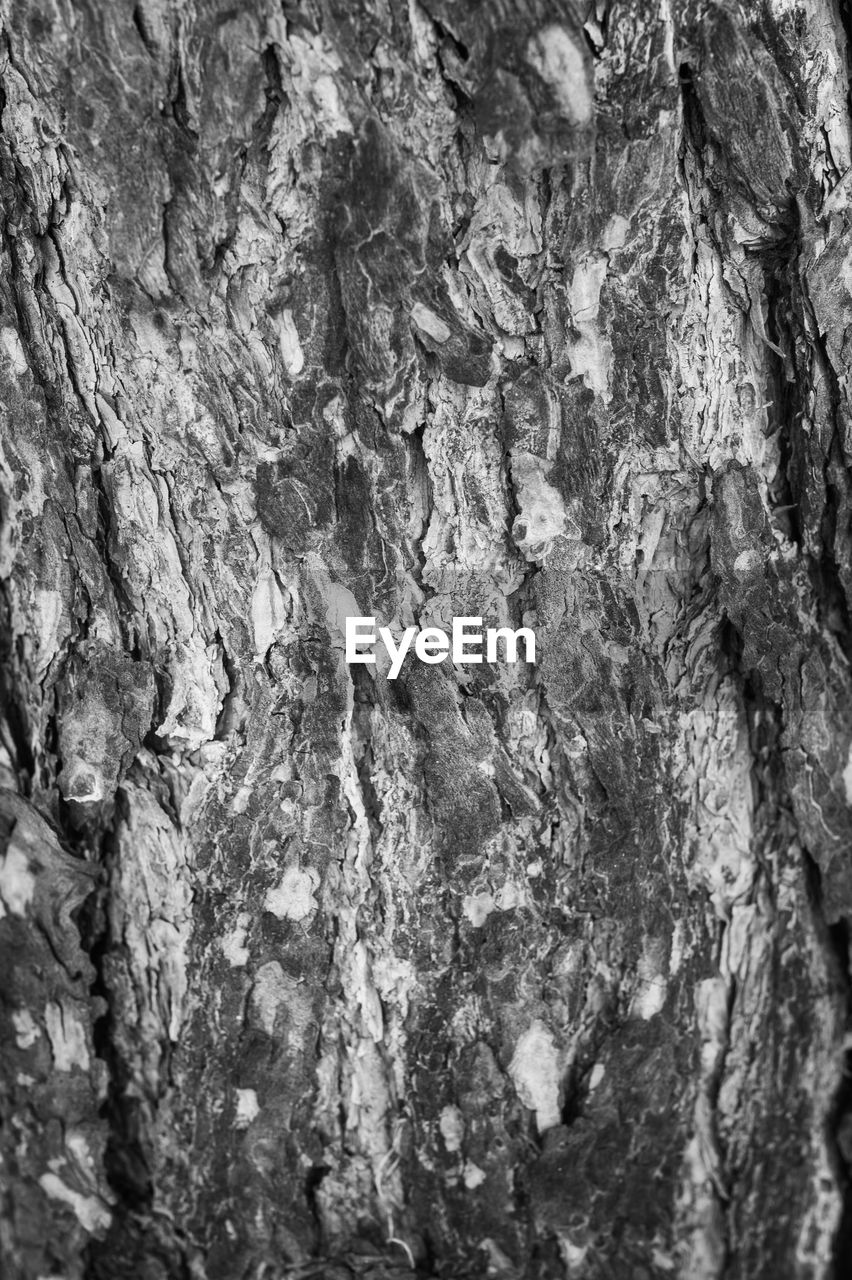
(415, 308)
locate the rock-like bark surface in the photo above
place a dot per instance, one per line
(420, 309)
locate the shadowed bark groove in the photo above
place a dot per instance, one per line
(533, 311)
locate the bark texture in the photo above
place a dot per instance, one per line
(421, 308)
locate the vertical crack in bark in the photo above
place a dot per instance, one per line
(125, 1163)
(835, 940)
(804, 359)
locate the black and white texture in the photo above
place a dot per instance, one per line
(522, 309)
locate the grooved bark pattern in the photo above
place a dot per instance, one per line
(526, 310)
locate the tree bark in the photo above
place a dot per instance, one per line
(529, 311)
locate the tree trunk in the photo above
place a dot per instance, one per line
(418, 310)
